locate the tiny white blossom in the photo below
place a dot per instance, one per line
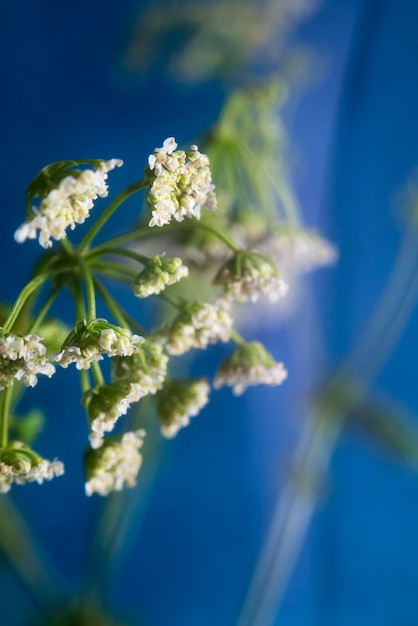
(67, 204)
(178, 401)
(157, 274)
(20, 465)
(114, 465)
(23, 358)
(198, 325)
(180, 184)
(249, 365)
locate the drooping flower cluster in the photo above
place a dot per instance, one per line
(90, 340)
(133, 377)
(65, 198)
(297, 251)
(157, 274)
(180, 184)
(22, 358)
(178, 401)
(19, 464)
(248, 275)
(115, 464)
(198, 325)
(250, 364)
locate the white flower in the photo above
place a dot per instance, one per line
(147, 368)
(180, 184)
(198, 325)
(299, 251)
(157, 274)
(178, 401)
(114, 465)
(23, 358)
(68, 202)
(19, 464)
(249, 365)
(90, 340)
(106, 403)
(248, 275)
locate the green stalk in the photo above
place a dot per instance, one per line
(90, 292)
(118, 268)
(43, 310)
(32, 285)
(118, 251)
(4, 415)
(97, 373)
(107, 213)
(122, 318)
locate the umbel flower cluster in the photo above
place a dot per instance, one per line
(117, 361)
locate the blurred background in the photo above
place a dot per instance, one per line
(288, 506)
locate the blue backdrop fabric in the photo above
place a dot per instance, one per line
(190, 552)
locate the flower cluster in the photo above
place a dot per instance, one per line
(19, 464)
(22, 358)
(298, 251)
(250, 364)
(249, 274)
(157, 274)
(65, 199)
(147, 368)
(178, 401)
(115, 464)
(198, 325)
(180, 184)
(90, 340)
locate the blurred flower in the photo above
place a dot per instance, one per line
(157, 274)
(249, 274)
(66, 196)
(147, 368)
(250, 364)
(197, 325)
(115, 464)
(178, 401)
(19, 464)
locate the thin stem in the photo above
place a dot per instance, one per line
(118, 268)
(34, 284)
(4, 415)
(147, 232)
(111, 208)
(131, 254)
(121, 316)
(34, 325)
(90, 292)
(237, 339)
(97, 373)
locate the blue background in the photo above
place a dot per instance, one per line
(188, 555)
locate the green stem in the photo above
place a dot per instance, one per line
(146, 232)
(118, 268)
(34, 284)
(34, 325)
(90, 292)
(121, 317)
(237, 339)
(4, 415)
(97, 373)
(111, 208)
(118, 251)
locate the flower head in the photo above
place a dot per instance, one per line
(22, 358)
(66, 195)
(19, 464)
(250, 364)
(180, 183)
(178, 401)
(197, 325)
(114, 465)
(249, 274)
(298, 251)
(91, 339)
(147, 368)
(157, 274)
(105, 404)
